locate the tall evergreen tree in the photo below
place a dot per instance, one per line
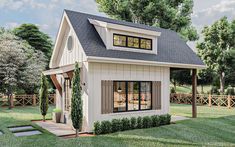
(36, 38)
(77, 105)
(169, 14)
(43, 96)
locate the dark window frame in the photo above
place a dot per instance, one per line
(126, 89)
(139, 38)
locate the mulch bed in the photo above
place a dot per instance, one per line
(80, 135)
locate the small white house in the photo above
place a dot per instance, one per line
(125, 67)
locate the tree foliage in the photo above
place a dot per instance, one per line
(43, 96)
(169, 14)
(20, 66)
(77, 105)
(37, 39)
(216, 46)
(180, 77)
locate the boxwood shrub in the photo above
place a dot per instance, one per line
(133, 123)
(123, 124)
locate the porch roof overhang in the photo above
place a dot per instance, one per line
(61, 70)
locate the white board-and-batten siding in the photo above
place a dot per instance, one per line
(124, 72)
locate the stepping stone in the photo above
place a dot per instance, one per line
(13, 129)
(1, 133)
(28, 133)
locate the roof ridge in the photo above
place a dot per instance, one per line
(119, 21)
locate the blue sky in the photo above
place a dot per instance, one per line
(47, 13)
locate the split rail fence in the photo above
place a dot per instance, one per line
(204, 99)
(26, 100)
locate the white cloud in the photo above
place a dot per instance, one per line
(209, 15)
(11, 25)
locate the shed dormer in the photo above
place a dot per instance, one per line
(125, 38)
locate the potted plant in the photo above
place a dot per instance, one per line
(56, 115)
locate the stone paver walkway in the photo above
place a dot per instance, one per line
(58, 129)
(13, 129)
(175, 118)
(28, 133)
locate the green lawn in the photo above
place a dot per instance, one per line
(214, 126)
(188, 89)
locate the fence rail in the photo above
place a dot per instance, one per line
(26, 100)
(204, 99)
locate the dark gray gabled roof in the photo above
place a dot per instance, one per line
(171, 48)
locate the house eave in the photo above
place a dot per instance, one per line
(143, 62)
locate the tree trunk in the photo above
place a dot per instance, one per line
(202, 89)
(76, 132)
(222, 82)
(9, 101)
(174, 86)
(44, 118)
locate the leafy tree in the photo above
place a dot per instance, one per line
(77, 106)
(19, 66)
(37, 39)
(169, 14)
(215, 47)
(43, 96)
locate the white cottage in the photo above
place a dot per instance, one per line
(125, 67)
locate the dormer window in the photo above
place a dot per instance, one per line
(132, 42)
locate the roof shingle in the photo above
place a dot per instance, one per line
(171, 48)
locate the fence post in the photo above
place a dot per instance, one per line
(229, 101)
(34, 100)
(209, 98)
(54, 99)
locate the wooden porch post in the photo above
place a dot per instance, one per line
(56, 83)
(194, 93)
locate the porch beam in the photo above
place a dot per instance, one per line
(194, 93)
(56, 83)
(70, 75)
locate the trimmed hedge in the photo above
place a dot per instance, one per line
(123, 124)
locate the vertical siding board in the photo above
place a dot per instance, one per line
(102, 96)
(106, 97)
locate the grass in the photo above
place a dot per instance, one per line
(213, 127)
(188, 89)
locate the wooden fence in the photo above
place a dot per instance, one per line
(26, 100)
(204, 99)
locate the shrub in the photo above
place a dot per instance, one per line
(133, 123)
(125, 124)
(139, 123)
(173, 90)
(230, 91)
(155, 121)
(97, 128)
(147, 122)
(165, 119)
(106, 127)
(57, 110)
(116, 125)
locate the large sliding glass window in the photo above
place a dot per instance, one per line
(132, 96)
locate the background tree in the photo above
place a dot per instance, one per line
(76, 109)
(180, 77)
(19, 64)
(168, 14)
(37, 39)
(215, 47)
(43, 96)
(205, 77)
